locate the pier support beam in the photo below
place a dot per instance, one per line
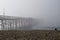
(2, 25)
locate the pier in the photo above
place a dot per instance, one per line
(15, 23)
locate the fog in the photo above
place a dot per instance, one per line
(47, 11)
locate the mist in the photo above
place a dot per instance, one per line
(47, 11)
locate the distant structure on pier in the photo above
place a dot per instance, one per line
(16, 23)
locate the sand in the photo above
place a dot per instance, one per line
(29, 35)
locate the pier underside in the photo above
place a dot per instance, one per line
(15, 23)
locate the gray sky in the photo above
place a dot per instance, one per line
(46, 10)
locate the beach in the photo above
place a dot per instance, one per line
(29, 35)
